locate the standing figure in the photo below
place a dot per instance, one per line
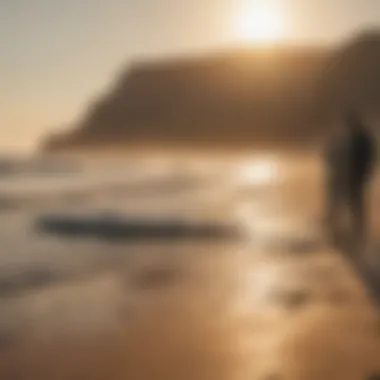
(350, 159)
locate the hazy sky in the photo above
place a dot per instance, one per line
(58, 55)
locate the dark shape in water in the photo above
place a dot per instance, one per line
(115, 228)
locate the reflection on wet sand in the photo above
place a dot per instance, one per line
(279, 303)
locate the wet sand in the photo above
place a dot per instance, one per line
(279, 303)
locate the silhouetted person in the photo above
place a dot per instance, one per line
(350, 156)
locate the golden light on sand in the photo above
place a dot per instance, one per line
(261, 22)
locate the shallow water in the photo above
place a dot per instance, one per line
(277, 303)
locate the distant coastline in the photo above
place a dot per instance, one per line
(283, 97)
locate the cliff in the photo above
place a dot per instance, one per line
(243, 97)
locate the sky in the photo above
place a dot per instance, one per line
(57, 56)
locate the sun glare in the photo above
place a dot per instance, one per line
(260, 23)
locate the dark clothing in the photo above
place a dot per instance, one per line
(361, 160)
(350, 162)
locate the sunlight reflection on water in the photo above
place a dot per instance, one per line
(260, 171)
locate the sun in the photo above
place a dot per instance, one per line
(260, 23)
